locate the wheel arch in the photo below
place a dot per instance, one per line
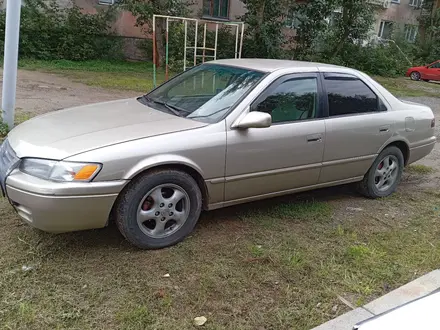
(194, 172)
(402, 145)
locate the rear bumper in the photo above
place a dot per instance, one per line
(62, 207)
(419, 152)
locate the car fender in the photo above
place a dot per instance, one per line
(160, 160)
(393, 139)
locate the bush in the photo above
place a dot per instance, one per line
(4, 129)
(381, 60)
(50, 32)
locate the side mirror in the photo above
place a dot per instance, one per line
(255, 119)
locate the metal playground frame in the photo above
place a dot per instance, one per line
(239, 34)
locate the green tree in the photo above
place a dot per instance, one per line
(353, 24)
(144, 10)
(311, 19)
(264, 22)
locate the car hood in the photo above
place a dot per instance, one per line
(65, 133)
(415, 68)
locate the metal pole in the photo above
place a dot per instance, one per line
(12, 35)
(166, 50)
(204, 43)
(154, 51)
(236, 41)
(241, 40)
(195, 43)
(184, 45)
(216, 39)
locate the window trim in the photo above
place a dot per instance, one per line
(348, 76)
(319, 115)
(411, 31)
(211, 11)
(382, 28)
(107, 2)
(416, 3)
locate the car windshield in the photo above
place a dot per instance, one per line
(205, 93)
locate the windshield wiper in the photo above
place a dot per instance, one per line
(172, 108)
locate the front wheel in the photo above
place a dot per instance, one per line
(159, 209)
(415, 76)
(384, 175)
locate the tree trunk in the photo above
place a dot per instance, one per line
(346, 15)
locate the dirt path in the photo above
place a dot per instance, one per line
(39, 92)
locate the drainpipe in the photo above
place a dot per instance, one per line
(12, 32)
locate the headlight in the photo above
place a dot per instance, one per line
(59, 171)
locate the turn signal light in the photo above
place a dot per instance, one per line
(86, 172)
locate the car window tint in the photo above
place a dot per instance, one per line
(350, 96)
(435, 65)
(295, 99)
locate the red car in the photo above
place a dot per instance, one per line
(425, 73)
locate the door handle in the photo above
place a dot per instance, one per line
(314, 138)
(384, 129)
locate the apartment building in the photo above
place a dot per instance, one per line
(397, 18)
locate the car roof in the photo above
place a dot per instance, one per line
(269, 65)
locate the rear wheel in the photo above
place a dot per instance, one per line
(415, 75)
(159, 209)
(384, 175)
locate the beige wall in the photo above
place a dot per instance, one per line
(400, 13)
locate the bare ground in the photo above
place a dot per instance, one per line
(39, 92)
(278, 264)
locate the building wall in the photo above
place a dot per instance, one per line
(398, 13)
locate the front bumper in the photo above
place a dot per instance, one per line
(61, 207)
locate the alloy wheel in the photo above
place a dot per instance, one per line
(163, 211)
(386, 173)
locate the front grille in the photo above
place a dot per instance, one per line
(8, 160)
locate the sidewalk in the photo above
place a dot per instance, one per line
(413, 290)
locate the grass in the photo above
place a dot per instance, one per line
(121, 75)
(402, 86)
(278, 264)
(239, 269)
(138, 76)
(419, 169)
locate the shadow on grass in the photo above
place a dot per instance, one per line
(308, 206)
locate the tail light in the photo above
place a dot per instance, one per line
(433, 123)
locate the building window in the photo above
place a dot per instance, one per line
(107, 2)
(216, 8)
(410, 32)
(416, 3)
(291, 20)
(385, 30)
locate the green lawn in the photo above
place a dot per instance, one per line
(403, 86)
(280, 264)
(277, 264)
(138, 76)
(121, 75)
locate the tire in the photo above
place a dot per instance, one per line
(371, 186)
(415, 76)
(148, 209)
